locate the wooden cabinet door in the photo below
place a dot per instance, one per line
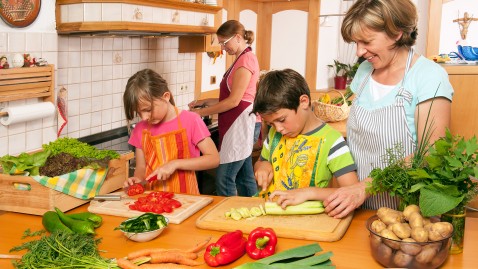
(464, 108)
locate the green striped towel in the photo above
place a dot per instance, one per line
(83, 183)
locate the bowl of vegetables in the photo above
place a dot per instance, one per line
(408, 242)
(143, 228)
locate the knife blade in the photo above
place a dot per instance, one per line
(107, 197)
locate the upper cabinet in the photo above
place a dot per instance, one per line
(135, 17)
(205, 43)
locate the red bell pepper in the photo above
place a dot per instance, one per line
(228, 248)
(261, 243)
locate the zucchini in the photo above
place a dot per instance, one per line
(52, 223)
(308, 207)
(95, 219)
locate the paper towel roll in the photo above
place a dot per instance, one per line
(27, 113)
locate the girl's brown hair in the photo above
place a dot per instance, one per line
(232, 27)
(144, 85)
(390, 16)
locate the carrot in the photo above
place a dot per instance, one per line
(126, 264)
(144, 252)
(199, 246)
(165, 266)
(172, 257)
(141, 260)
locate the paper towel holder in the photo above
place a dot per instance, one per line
(3, 114)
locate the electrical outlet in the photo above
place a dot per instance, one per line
(183, 87)
(212, 80)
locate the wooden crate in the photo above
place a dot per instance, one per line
(40, 199)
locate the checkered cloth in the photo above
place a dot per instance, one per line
(83, 183)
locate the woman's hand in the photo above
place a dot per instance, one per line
(163, 172)
(263, 173)
(345, 200)
(291, 197)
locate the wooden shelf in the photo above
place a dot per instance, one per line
(27, 82)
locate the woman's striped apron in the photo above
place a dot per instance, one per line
(160, 149)
(371, 132)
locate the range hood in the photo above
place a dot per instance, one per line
(135, 18)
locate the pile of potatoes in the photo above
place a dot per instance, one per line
(416, 241)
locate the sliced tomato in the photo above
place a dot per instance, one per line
(135, 189)
(167, 208)
(174, 203)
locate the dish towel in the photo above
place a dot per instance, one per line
(83, 183)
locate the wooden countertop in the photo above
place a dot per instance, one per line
(352, 251)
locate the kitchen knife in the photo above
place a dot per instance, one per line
(264, 194)
(107, 197)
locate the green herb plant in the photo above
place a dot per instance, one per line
(438, 179)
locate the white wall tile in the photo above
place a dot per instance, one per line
(64, 13)
(107, 87)
(63, 59)
(63, 43)
(96, 89)
(4, 149)
(75, 12)
(85, 132)
(111, 12)
(49, 134)
(107, 103)
(107, 72)
(85, 121)
(73, 109)
(16, 42)
(74, 75)
(73, 92)
(74, 59)
(93, 12)
(85, 74)
(135, 56)
(96, 119)
(97, 43)
(86, 43)
(33, 42)
(73, 123)
(34, 140)
(127, 71)
(16, 144)
(96, 74)
(51, 57)
(107, 57)
(96, 105)
(96, 58)
(86, 58)
(74, 44)
(85, 106)
(117, 71)
(85, 91)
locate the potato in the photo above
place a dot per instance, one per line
(415, 219)
(402, 259)
(389, 216)
(383, 254)
(427, 254)
(377, 226)
(411, 249)
(440, 230)
(409, 210)
(419, 234)
(402, 230)
(390, 235)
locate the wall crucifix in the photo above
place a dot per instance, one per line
(463, 24)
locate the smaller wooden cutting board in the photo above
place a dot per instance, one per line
(318, 227)
(190, 205)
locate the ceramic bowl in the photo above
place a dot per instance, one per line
(145, 236)
(413, 255)
(468, 52)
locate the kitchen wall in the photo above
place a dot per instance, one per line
(94, 71)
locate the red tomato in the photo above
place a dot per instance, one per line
(157, 202)
(167, 208)
(135, 189)
(175, 203)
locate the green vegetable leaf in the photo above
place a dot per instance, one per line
(437, 199)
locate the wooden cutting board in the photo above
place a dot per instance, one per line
(319, 227)
(190, 205)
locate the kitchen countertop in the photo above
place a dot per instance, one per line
(352, 251)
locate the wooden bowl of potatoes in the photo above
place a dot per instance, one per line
(407, 239)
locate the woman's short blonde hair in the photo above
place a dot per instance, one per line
(390, 16)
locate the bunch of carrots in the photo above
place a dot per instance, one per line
(162, 258)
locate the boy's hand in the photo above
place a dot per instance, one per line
(291, 197)
(263, 173)
(131, 181)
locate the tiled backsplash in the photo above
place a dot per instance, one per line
(94, 70)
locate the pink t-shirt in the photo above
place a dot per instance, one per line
(196, 130)
(248, 61)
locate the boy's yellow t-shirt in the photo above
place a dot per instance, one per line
(309, 159)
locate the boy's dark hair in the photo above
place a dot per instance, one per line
(280, 89)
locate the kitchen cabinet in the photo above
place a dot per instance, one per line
(464, 79)
(134, 17)
(205, 43)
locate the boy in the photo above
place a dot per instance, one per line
(301, 153)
